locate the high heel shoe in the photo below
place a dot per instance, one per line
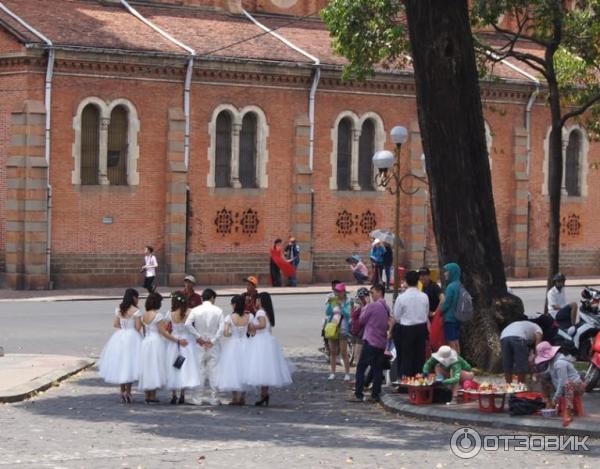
(264, 400)
(173, 400)
(128, 398)
(124, 397)
(181, 399)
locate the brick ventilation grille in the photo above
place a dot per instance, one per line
(246, 222)
(348, 223)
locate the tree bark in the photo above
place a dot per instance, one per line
(453, 136)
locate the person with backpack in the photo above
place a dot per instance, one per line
(452, 295)
(356, 331)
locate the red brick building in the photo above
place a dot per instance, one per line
(192, 126)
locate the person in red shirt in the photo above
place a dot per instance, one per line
(193, 298)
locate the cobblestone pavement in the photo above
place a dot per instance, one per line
(82, 424)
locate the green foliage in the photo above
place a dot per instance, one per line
(369, 33)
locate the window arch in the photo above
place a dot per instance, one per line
(90, 144)
(366, 150)
(111, 133)
(354, 142)
(575, 156)
(573, 164)
(344, 154)
(248, 151)
(238, 153)
(223, 149)
(118, 130)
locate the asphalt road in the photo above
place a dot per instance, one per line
(82, 327)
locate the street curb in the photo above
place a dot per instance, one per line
(533, 425)
(42, 383)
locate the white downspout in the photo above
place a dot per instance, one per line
(313, 87)
(47, 129)
(187, 89)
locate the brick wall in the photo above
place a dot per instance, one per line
(579, 262)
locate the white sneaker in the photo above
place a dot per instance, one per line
(346, 377)
(331, 377)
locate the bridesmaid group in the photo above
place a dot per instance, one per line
(161, 351)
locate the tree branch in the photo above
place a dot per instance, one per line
(577, 112)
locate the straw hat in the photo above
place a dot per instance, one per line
(445, 356)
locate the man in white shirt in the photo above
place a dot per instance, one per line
(517, 340)
(411, 312)
(149, 269)
(207, 324)
(558, 307)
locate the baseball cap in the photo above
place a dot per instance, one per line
(253, 280)
(190, 278)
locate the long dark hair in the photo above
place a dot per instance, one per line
(267, 304)
(239, 304)
(179, 303)
(129, 298)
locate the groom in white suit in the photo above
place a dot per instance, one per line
(207, 324)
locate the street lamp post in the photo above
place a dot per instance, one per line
(389, 177)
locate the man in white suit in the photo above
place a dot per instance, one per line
(207, 324)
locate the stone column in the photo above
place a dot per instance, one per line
(235, 155)
(520, 211)
(302, 198)
(417, 202)
(354, 163)
(103, 152)
(27, 196)
(176, 199)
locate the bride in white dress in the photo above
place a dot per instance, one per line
(267, 365)
(153, 374)
(232, 364)
(187, 375)
(120, 357)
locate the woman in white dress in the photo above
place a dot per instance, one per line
(153, 373)
(120, 357)
(267, 365)
(186, 376)
(231, 374)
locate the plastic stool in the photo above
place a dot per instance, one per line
(577, 403)
(420, 395)
(490, 406)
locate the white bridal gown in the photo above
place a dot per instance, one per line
(153, 359)
(120, 357)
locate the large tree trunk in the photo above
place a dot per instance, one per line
(453, 134)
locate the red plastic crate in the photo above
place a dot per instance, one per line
(491, 403)
(420, 395)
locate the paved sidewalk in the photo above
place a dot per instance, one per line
(91, 294)
(24, 375)
(468, 414)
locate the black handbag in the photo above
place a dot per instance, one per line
(178, 363)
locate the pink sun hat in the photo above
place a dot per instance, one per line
(340, 287)
(544, 352)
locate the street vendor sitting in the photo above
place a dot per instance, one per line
(450, 369)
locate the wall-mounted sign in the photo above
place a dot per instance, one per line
(107, 220)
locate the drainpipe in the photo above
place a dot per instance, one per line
(188, 75)
(313, 87)
(47, 129)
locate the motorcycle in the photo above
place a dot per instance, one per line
(592, 375)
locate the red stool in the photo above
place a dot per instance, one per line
(420, 395)
(488, 403)
(577, 403)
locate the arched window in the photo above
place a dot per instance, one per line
(573, 164)
(248, 151)
(223, 150)
(366, 150)
(116, 163)
(344, 154)
(90, 144)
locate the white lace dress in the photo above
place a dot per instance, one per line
(120, 357)
(267, 366)
(188, 375)
(233, 361)
(152, 361)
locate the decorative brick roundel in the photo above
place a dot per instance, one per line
(345, 223)
(249, 222)
(571, 225)
(368, 222)
(224, 221)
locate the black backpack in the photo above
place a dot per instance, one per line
(522, 406)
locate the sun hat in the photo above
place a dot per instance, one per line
(544, 352)
(341, 287)
(253, 280)
(445, 356)
(190, 278)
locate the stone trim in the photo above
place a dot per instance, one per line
(133, 149)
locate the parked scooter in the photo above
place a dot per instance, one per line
(592, 375)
